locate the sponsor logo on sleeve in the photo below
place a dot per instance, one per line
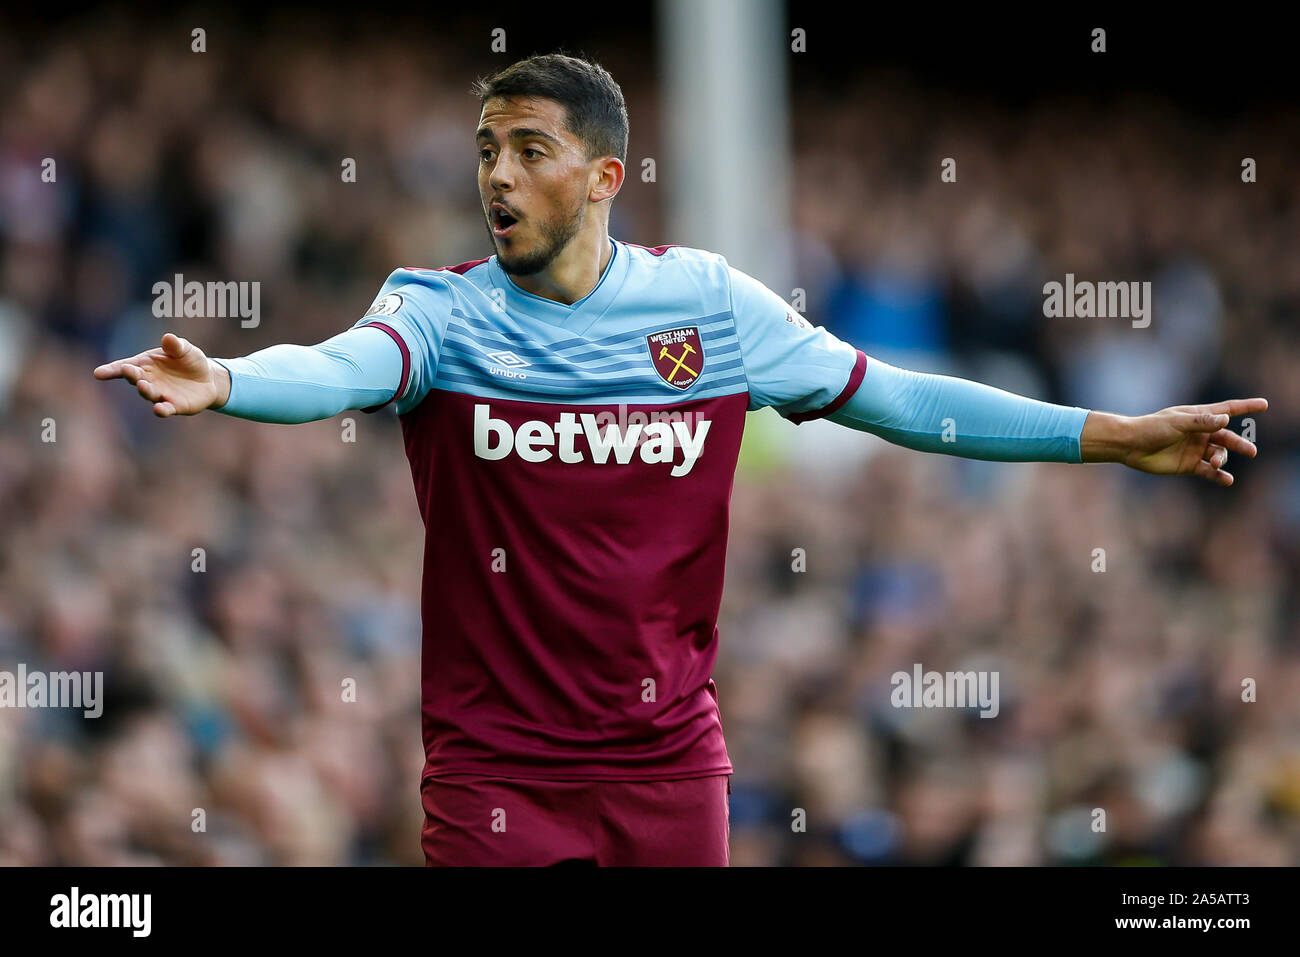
(385, 305)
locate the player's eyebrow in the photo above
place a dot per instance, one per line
(518, 133)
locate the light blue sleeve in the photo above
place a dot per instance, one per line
(797, 368)
(939, 413)
(389, 355)
(357, 369)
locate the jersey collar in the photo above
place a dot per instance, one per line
(581, 315)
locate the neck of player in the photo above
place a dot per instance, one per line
(575, 272)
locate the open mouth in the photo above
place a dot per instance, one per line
(503, 223)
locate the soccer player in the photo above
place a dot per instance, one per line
(572, 409)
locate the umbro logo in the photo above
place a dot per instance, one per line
(508, 359)
(507, 364)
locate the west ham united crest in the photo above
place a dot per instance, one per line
(678, 355)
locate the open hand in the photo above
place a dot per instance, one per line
(1189, 439)
(177, 377)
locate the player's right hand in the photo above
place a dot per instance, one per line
(177, 377)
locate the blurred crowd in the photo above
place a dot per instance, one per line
(225, 739)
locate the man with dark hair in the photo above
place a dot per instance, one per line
(572, 408)
(593, 103)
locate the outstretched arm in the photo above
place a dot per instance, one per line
(357, 369)
(952, 416)
(805, 372)
(937, 413)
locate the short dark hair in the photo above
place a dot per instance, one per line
(594, 109)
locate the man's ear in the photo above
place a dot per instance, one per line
(606, 179)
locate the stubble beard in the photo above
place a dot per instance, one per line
(556, 234)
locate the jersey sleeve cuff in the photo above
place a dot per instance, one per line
(229, 407)
(406, 365)
(855, 380)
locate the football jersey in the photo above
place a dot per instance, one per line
(573, 467)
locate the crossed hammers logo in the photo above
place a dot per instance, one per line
(680, 361)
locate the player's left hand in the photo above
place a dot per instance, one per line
(1189, 439)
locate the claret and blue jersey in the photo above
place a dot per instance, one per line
(573, 465)
(664, 324)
